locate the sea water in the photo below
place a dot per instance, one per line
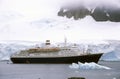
(57, 71)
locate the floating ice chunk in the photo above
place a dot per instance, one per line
(114, 78)
(74, 66)
(85, 66)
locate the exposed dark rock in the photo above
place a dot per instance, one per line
(61, 13)
(77, 13)
(114, 15)
(76, 78)
(81, 13)
(69, 13)
(99, 14)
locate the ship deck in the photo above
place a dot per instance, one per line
(64, 53)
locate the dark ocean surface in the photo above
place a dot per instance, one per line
(57, 71)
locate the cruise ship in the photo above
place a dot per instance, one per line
(55, 54)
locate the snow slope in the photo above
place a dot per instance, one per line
(51, 28)
(87, 33)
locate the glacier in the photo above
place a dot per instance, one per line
(86, 66)
(109, 47)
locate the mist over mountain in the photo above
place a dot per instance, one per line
(99, 10)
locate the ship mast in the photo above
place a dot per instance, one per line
(65, 41)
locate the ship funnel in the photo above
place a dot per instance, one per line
(47, 42)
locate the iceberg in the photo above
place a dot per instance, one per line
(87, 66)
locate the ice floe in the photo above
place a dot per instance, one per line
(86, 66)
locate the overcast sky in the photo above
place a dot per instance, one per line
(33, 8)
(30, 8)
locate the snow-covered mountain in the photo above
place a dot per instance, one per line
(48, 25)
(100, 10)
(52, 26)
(56, 29)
